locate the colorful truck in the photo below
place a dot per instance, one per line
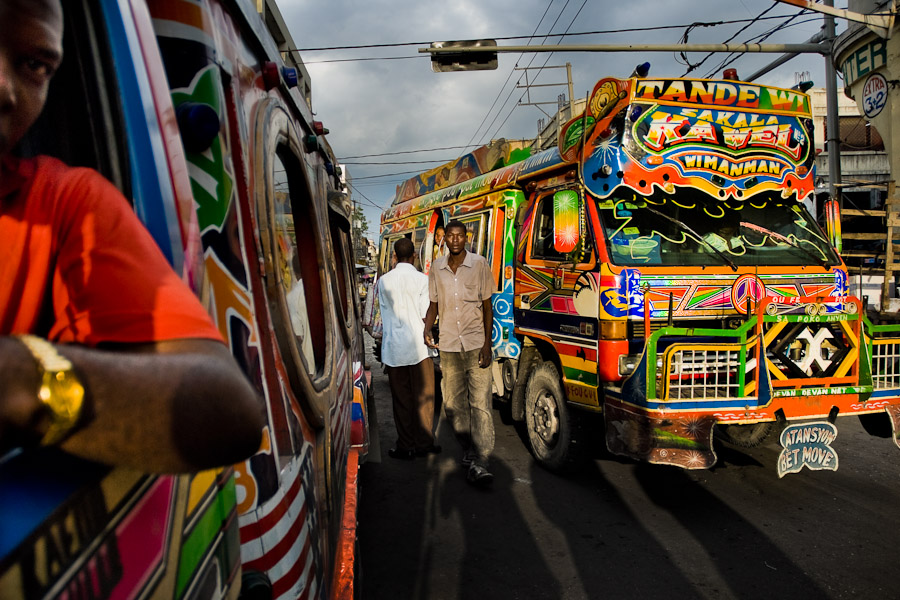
(193, 112)
(660, 267)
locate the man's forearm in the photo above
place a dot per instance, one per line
(173, 406)
(430, 316)
(487, 313)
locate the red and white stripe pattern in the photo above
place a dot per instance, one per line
(281, 537)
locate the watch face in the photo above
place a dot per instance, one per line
(60, 389)
(64, 395)
(67, 395)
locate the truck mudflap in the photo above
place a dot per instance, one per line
(680, 442)
(893, 412)
(800, 360)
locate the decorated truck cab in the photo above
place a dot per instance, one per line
(662, 266)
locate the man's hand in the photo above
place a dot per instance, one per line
(484, 357)
(429, 341)
(430, 316)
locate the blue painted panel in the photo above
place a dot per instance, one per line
(154, 199)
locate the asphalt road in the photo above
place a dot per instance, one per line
(620, 529)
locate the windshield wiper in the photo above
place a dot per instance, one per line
(782, 238)
(685, 227)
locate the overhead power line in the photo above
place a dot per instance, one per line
(368, 200)
(761, 38)
(530, 62)
(401, 162)
(572, 22)
(343, 158)
(386, 175)
(684, 38)
(689, 27)
(545, 37)
(535, 35)
(508, 77)
(339, 60)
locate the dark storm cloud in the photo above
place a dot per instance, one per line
(382, 106)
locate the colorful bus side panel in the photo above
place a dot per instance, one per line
(71, 528)
(75, 529)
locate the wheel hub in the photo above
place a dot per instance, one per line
(546, 419)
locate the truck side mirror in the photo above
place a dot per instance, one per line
(833, 223)
(566, 232)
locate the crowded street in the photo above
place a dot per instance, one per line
(622, 529)
(449, 300)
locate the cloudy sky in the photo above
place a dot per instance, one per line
(385, 105)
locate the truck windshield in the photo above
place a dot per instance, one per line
(694, 229)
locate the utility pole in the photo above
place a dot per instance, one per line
(528, 86)
(832, 123)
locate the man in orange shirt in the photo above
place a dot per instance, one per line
(103, 350)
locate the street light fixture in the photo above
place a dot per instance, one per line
(466, 55)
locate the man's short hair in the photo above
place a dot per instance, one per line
(457, 224)
(404, 248)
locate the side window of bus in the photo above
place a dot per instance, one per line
(387, 253)
(340, 240)
(418, 239)
(542, 233)
(297, 259)
(475, 239)
(384, 255)
(81, 128)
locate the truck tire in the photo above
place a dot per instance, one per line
(745, 436)
(530, 356)
(553, 432)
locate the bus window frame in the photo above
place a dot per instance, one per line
(346, 313)
(387, 251)
(87, 65)
(585, 233)
(419, 246)
(276, 133)
(484, 218)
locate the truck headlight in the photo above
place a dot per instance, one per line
(628, 363)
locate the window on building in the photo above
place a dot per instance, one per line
(857, 135)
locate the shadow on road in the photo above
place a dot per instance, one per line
(747, 560)
(614, 554)
(636, 530)
(500, 555)
(430, 535)
(616, 529)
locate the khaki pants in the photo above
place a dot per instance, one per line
(467, 402)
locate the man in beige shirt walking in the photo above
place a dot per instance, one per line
(460, 287)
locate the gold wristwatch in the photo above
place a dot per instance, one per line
(59, 390)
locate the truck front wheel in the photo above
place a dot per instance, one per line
(552, 430)
(745, 436)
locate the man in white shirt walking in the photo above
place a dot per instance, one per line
(403, 298)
